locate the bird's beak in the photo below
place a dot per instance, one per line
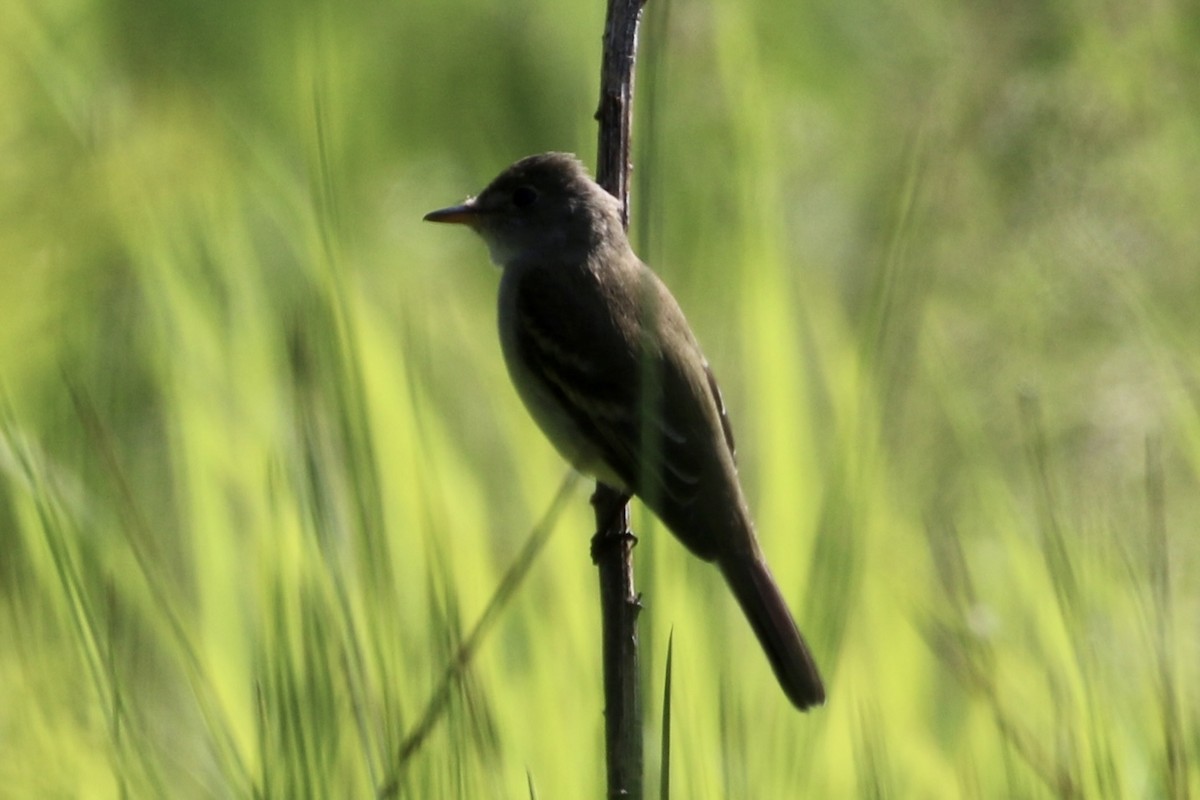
(464, 214)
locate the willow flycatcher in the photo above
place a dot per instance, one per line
(604, 360)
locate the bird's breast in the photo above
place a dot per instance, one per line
(571, 442)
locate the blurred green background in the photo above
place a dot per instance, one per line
(261, 468)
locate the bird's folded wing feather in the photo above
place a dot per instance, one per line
(631, 401)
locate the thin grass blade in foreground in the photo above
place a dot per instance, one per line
(454, 671)
(664, 783)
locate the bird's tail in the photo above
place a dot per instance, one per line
(763, 604)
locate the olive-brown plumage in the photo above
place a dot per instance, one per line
(604, 359)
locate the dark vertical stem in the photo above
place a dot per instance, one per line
(615, 112)
(612, 546)
(612, 550)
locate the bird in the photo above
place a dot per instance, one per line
(605, 362)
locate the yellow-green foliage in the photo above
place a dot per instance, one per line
(261, 470)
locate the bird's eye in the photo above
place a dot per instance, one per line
(524, 196)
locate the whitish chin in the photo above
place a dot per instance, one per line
(498, 252)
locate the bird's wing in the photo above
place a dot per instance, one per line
(632, 403)
(726, 427)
